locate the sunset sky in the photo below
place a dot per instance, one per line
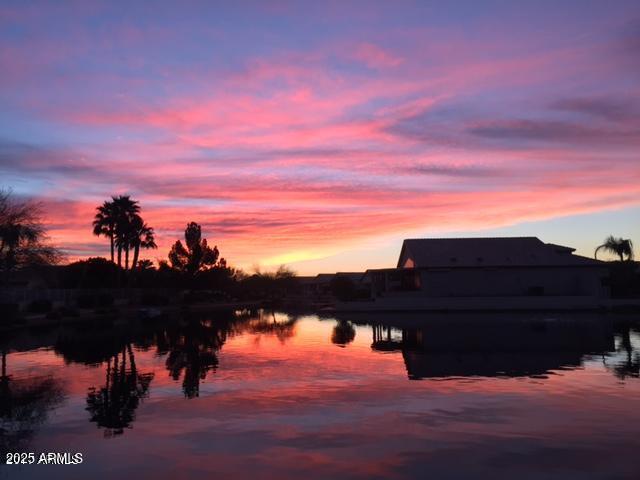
(320, 134)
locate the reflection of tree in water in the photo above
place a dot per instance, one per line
(24, 404)
(283, 326)
(192, 347)
(343, 333)
(113, 406)
(92, 346)
(629, 367)
(192, 351)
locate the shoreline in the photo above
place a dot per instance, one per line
(123, 314)
(132, 314)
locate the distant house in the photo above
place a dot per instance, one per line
(319, 287)
(487, 273)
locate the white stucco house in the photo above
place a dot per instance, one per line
(487, 273)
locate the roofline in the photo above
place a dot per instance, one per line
(402, 249)
(486, 267)
(470, 238)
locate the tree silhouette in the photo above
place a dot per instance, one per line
(617, 246)
(273, 286)
(119, 219)
(126, 210)
(140, 235)
(145, 265)
(114, 219)
(104, 223)
(23, 240)
(197, 255)
(94, 272)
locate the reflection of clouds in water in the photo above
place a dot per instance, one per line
(24, 405)
(303, 406)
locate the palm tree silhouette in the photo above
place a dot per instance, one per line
(126, 210)
(104, 223)
(119, 220)
(140, 236)
(617, 246)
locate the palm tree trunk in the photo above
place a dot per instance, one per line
(126, 258)
(136, 254)
(112, 246)
(120, 256)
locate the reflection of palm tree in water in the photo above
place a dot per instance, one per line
(192, 353)
(113, 406)
(24, 404)
(631, 366)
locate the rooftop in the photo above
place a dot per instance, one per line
(488, 251)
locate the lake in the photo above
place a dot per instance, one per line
(275, 395)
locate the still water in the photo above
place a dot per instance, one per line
(263, 395)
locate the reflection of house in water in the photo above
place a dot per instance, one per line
(515, 349)
(486, 273)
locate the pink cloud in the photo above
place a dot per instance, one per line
(375, 57)
(311, 215)
(282, 149)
